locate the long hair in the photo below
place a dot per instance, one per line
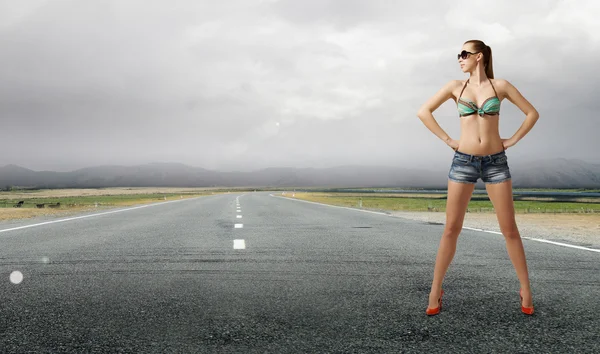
(479, 46)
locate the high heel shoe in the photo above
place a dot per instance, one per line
(435, 311)
(525, 310)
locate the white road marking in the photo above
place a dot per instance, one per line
(98, 214)
(475, 229)
(238, 226)
(239, 216)
(538, 239)
(464, 227)
(562, 244)
(239, 244)
(333, 206)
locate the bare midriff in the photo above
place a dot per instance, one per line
(480, 135)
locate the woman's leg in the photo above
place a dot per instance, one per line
(459, 195)
(502, 198)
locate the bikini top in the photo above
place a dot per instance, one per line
(491, 106)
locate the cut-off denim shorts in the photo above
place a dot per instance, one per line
(469, 168)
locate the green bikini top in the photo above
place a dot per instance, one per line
(491, 106)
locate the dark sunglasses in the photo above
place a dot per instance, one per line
(464, 54)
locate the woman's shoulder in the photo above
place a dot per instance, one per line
(501, 83)
(502, 86)
(452, 85)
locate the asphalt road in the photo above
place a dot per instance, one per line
(166, 278)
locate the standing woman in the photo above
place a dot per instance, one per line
(479, 153)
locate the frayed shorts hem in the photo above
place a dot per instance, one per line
(500, 181)
(463, 182)
(469, 182)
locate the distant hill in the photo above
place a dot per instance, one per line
(554, 173)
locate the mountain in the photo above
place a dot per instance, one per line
(554, 173)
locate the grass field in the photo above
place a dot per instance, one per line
(437, 202)
(69, 201)
(587, 190)
(101, 196)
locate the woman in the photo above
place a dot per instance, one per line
(479, 153)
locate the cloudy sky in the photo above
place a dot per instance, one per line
(248, 84)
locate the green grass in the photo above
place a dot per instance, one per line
(477, 203)
(104, 200)
(583, 190)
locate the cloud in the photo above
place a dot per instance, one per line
(251, 84)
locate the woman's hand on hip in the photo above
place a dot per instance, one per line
(453, 144)
(506, 143)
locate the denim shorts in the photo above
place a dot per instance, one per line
(469, 168)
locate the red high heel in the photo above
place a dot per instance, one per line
(525, 310)
(435, 311)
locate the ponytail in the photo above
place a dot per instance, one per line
(479, 46)
(489, 70)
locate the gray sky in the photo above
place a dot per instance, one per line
(248, 84)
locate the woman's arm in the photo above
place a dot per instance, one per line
(532, 115)
(425, 113)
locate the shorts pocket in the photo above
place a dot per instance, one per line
(461, 160)
(501, 160)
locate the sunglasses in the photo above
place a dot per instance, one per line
(464, 54)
